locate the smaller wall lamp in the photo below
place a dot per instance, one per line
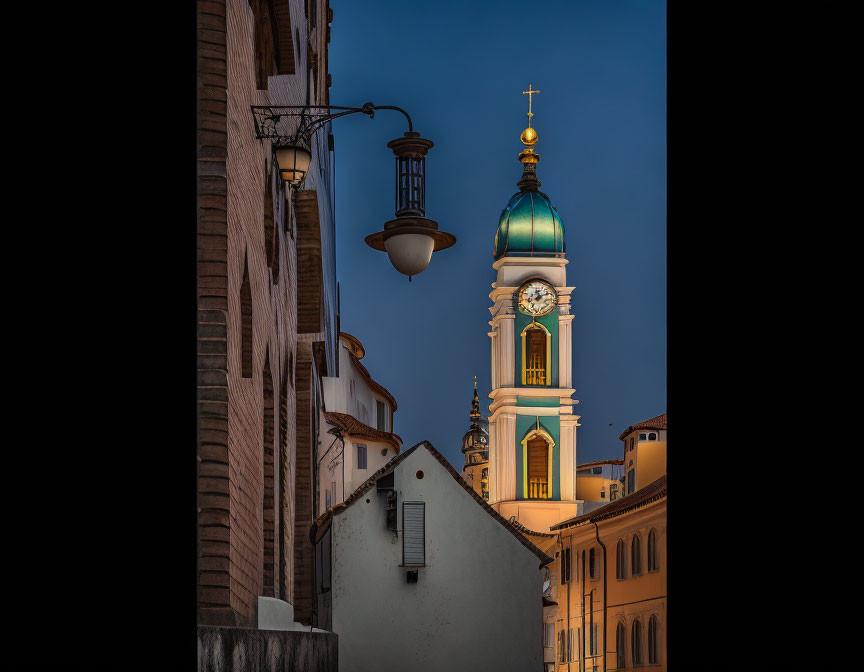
(293, 160)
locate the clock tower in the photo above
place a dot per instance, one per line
(532, 426)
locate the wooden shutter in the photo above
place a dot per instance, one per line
(414, 533)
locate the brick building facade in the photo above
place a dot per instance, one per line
(260, 350)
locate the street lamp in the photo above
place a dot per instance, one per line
(410, 238)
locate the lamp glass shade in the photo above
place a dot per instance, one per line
(409, 253)
(293, 162)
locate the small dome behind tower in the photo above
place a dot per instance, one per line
(475, 447)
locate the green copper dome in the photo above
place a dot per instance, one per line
(529, 226)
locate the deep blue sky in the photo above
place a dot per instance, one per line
(459, 68)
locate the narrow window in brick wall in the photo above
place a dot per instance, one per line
(281, 478)
(285, 42)
(268, 509)
(246, 322)
(268, 216)
(266, 57)
(361, 456)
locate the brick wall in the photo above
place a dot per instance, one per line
(246, 517)
(213, 498)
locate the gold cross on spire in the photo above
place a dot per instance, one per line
(530, 92)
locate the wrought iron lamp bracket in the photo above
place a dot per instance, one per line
(295, 124)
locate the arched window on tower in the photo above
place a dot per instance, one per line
(538, 468)
(536, 351)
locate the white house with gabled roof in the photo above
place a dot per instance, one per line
(415, 571)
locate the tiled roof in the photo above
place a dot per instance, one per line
(650, 493)
(324, 519)
(524, 530)
(597, 463)
(375, 386)
(354, 428)
(657, 422)
(354, 344)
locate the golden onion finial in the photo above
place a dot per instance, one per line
(529, 135)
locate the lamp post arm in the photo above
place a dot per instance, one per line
(268, 117)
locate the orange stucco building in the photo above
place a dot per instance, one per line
(606, 606)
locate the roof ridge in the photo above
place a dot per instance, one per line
(642, 497)
(395, 461)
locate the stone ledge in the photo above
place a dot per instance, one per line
(230, 649)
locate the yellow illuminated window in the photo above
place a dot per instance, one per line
(535, 371)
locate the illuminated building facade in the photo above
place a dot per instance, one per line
(608, 579)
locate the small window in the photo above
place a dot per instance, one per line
(361, 456)
(652, 436)
(653, 555)
(636, 555)
(621, 560)
(631, 481)
(592, 643)
(636, 644)
(549, 634)
(414, 533)
(571, 648)
(642, 436)
(653, 640)
(593, 568)
(620, 638)
(379, 408)
(597, 470)
(327, 500)
(565, 566)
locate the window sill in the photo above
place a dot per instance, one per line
(412, 566)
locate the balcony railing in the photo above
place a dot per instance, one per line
(538, 488)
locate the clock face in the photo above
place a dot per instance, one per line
(537, 298)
